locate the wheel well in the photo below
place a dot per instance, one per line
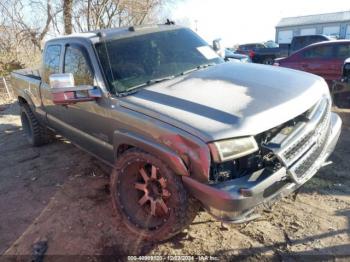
(22, 101)
(122, 148)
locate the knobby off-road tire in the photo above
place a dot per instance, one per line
(36, 134)
(138, 179)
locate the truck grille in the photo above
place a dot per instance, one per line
(308, 139)
(300, 150)
(304, 165)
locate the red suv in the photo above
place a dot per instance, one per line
(325, 59)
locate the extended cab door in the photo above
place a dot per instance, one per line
(87, 123)
(51, 64)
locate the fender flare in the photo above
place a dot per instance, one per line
(169, 157)
(22, 94)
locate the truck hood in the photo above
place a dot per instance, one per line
(230, 99)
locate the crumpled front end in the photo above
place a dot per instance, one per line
(295, 150)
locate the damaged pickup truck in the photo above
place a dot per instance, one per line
(180, 127)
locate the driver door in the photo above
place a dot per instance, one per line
(87, 123)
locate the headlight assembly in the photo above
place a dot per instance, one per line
(233, 148)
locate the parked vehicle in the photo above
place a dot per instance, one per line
(325, 59)
(249, 49)
(299, 42)
(267, 55)
(341, 88)
(268, 52)
(180, 127)
(229, 55)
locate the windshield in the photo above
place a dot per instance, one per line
(135, 61)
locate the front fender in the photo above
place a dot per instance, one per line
(165, 154)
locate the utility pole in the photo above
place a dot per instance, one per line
(196, 23)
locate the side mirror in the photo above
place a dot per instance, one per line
(64, 91)
(216, 45)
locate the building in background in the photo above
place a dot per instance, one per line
(331, 24)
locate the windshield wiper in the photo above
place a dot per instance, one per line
(150, 82)
(197, 68)
(158, 80)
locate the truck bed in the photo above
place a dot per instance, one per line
(26, 84)
(261, 54)
(32, 73)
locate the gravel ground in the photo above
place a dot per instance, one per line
(58, 194)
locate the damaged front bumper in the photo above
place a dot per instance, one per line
(234, 200)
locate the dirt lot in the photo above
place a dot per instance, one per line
(59, 194)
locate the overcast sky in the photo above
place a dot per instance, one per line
(249, 20)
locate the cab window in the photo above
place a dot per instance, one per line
(51, 61)
(318, 52)
(342, 51)
(75, 62)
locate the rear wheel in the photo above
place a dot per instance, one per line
(37, 134)
(150, 198)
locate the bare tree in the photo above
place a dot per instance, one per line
(15, 49)
(37, 26)
(97, 14)
(67, 16)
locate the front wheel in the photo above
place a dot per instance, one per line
(150, 198)
(268, 61)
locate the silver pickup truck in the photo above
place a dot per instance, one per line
(180, 127)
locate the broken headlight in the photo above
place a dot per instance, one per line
(225, 150)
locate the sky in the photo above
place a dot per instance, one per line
(246, 21)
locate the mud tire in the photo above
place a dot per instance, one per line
(36, 134)
(182, 207)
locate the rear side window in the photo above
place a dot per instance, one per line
(342, 51)
(315, 39)
(303, 41)
(75, 62)
(247, 47)
(318, 52)
(259, 46)
(300, 42)
(51, 61)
